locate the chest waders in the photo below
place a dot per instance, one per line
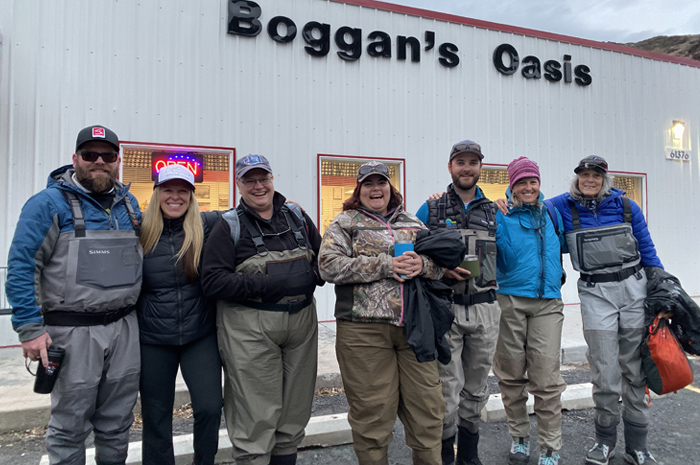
(478, 230)
(606, 253)
(284, 265)
(93, 276)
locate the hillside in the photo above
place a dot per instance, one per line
(681, 46)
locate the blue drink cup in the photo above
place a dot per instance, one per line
(400, 248)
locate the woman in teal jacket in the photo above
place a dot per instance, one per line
(529, 279)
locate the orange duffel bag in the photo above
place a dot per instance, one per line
(665, 365)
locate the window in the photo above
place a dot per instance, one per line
(493, 182)
(632, 185)
(338, 179)
(213, 193)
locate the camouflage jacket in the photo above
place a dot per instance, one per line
(356, 255)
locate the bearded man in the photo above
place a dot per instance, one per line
(474, 332)
(74, 275)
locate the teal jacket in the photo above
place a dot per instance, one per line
(529, 252)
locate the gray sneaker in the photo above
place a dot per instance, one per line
(519, 452)
(639, 457)
(600, 454)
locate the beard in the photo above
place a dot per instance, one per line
(98, 185)
(464, 185)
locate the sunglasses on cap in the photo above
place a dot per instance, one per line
(458, 148)
(372, 167)
(107, 157)
(592, 162)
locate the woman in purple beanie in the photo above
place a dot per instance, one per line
(529, 277)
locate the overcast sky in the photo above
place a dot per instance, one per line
(603, 20)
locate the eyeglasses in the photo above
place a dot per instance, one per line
(535, 216)
(252, 182)
(373, 167)
(109, 157)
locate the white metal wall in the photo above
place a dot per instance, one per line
(165, 71)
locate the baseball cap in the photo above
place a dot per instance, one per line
(370, 168)
(172, 172)
(250, 162)
(97, 133)
(592, 161)
(466, 146)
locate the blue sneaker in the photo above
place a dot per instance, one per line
(549, 458)
(519, 452)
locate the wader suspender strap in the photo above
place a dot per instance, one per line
(295, 229)
(257, 235)
(626, 213)
(77, 212)
(442, 209)
(254, 234)
(490, 218)
(132, 216)
(79, 219)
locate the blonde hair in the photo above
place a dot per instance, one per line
(152, 228)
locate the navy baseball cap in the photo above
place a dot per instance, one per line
(250, 162)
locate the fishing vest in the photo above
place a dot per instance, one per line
(285, 265)
(604, 249)
(92, 271)
(478, 230)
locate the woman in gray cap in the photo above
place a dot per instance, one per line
(381, 374)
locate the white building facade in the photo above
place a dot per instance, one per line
(320, 86)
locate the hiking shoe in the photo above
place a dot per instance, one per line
(519, 452)
(638, 457)
(599, 454)
(549, 458)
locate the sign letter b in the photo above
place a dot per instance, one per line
(243, 18)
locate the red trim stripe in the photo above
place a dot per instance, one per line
(450, 18)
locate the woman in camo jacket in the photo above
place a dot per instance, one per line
(381, 375)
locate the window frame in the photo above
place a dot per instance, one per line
(206, 149)
(320, 157)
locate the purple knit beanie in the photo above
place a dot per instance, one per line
(521, 168)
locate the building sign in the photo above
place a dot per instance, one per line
(192, 161)
(677, 154)
(244, 20)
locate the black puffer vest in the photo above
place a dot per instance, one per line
(478, 229)
(171, 309)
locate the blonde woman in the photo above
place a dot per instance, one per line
(177, 323)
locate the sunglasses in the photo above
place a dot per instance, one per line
(373, 167)
(109, 157)
(596, 162)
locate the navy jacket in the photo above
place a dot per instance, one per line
(171, 309)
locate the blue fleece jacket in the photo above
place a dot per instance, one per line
(529, 249)
(609, 212)
(43, 218)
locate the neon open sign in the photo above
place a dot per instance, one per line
(192, 161)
